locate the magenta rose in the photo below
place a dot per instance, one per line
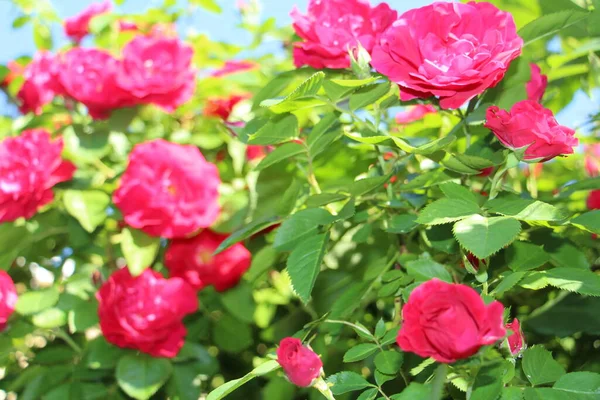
(193, 260)
(415, 113)
(530, 124)
(516, 341)
(77, 26)
(537, 84)
(89, 76)
(168, 190)
(40, 84)
(333, 27)
(448, 322)
(145, 312)
(450, 50)
(158, 70)
(30, 165)
(301, 365)
(8, 298)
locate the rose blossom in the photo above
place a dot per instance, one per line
(592, 159)
(41, 83)
(415, 113)
(593, 200)
(8, 298)
(77, 27)
(333, 27)
(192, 260)
(530, 124)
(158, 70)
(301, 365)
(450, 50)
(30, 165)
(516, 341)
(222, 107)
(233, 67)
(448, 322)
(168, 190)
(145, 312)
(537, 84)
(89, 76)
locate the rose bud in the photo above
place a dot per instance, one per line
(222, 107)
(77, 27)
(145, 312)
(537, 84)
(301, 365)
(30, 165)
(450, 50)
(448, 322)
(530, 124)
(593, 200)
(474, 261)
(332, 27)
(516, 341)
(484, 173)
(8, 298)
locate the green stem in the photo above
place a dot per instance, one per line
(323, 387)
(64, 336)
(497, 182)
(439, 380)
(533, 189)
(382, 393)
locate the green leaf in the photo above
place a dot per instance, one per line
(526, 210)
(488, 382)
(589, 221)
(322, 199)
(302, 97)
(278, 129)
(347, 381)
(524, 256)
(42, 36)
(428, 179)
(369, 394)
(102, 355)
(455, 191)
(50, 318)
(402, 223)
(323, 134)
(247, 231)
(239, 302)
(228, 387)
(389, 362)
(304, 264)
(139, 250)
(426, 149)
(508, 282)
(581, 312)
(512, 393)
(232, 335)
(380, 328)
(281, 153)
(141, 375)
(485, 236)
(579, 385)
(12, 238)
(367, 185)
(299, 226)
(540, 367)
(574, 280)
(550, 24)
(35, 301)
(208, 5)
(360, 352)
(87, 206)
(447, 210)
(425, 269)
(369, 94)
(414, 391)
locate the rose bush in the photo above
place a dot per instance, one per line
(352, 214)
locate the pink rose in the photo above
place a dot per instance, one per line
(450, 50)
(530, 124)
(41, 83)
(30, 165)
(516, 341)
(77, 27)
(301, 365)
(333, 27)
(415, 113)
(233, 67)
(89, 76)
(221, 107)
(145, 312)
(168, 190)
(592, 159)
(593, 200)
(537, 84)
(192, 260)
(448, 322)
(8, 298)
(158, 70)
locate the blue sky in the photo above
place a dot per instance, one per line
(221, 27)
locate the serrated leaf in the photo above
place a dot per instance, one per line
(32, 302)
(426, 149)
(277, 130)
(360, 352)
(579, 385)
(389, 362)
(322, 134)
(455, 191)
(526, 210)
(369, 94)
(247, 231)
(304, 264)
(402, 223)
(508, 282)
(485, 236)
(369, 394)
(428, 179)
(574, 280)
(512, 393)
(87, 206)
(367, 185)
(225, 389)
(523, 256)
(422, 366)
(346, 381)
(139, 250)
(444, 211)
(540, 367)
(281, 153)
(589, 221)
(299, 226)
(425, 269)
(140, 375)
(488, 382)
(322, 199)
(414, 391)
(550, 24)
(302, 97)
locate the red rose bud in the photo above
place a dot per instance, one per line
(77, 27)
(516, 341)
(145, 312)
(415, 113)
(8, 298)
(537, 84)
(593, 200)
(474, 261)
(437, 50)
(193, 260)
(448, 322)
(168, 190)
(484, 173)
(301, 365)
(332, 27)
(30, 165)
